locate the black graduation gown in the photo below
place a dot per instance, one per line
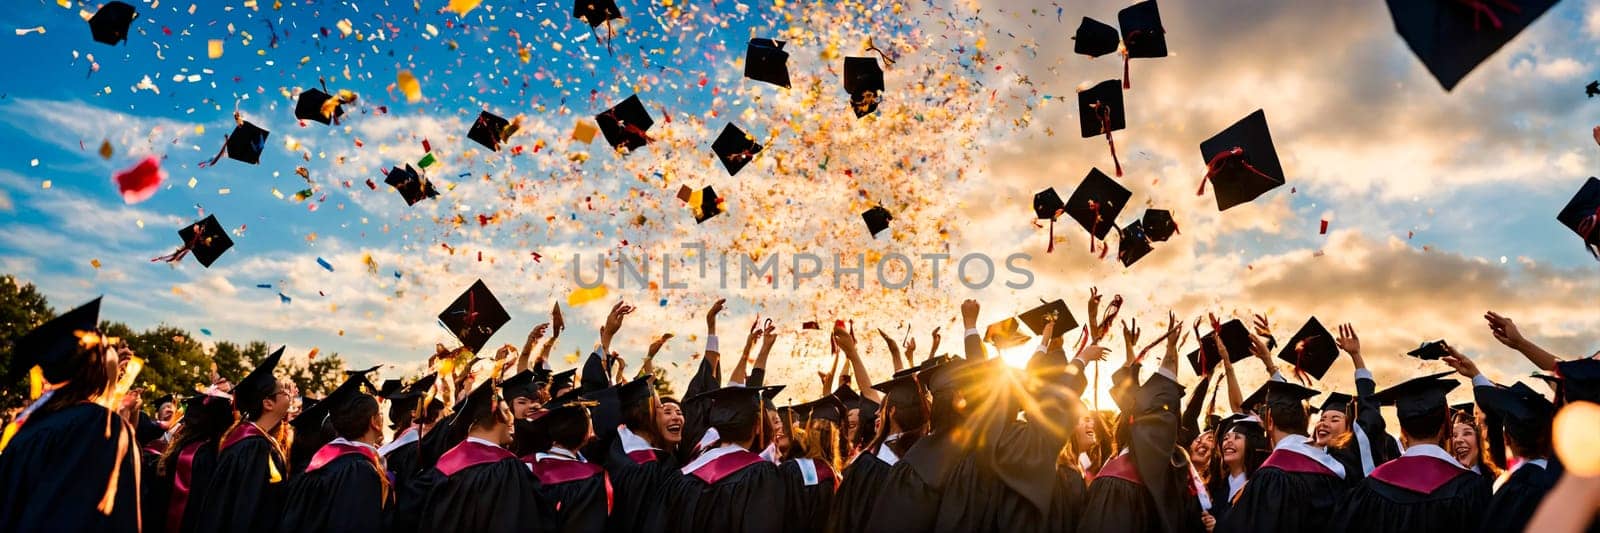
(402, 463)
(738, 492)
(638, 482)
(163, 504)
(1118, 501)
(480, 488)
(1290, 492)
(1163, 490)
(937, 486)
(1415, 493)
(858, 489)
(697, 411)
(342, 490)
(1513, 505)
(580, 492)
(245, 493)
(810, 500)
(1034, 495)
(58, 467)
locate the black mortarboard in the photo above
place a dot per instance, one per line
(1592, 89)
(1100, 109)
(1311, 350)
(1582, 215)
(206, 239)
(312, 415)
(732, 406)
(390, 388)
(1095, 38)
(1580, 380)
(474, 316)
(1242, 424)
(636, 392)
(877, 219)
(902, 391)
(259, 384)
(1338, 401)
(1452, 37)
(1133, 244)
(412, 185)
(520, 385)
(704, 203)
(360, 375)
(766, 61)
(1037, 317)
(735, 148)
(163, 400)
(1241, 163)
(626, 125)
(1235, 337)
(1467, 410)
(562, 380)
(1418, 396)
(863, 79)
(490, 130)
(309, 106)
(1429, 351)
(1047, 204)
(110, 24)
(541, 374)
(422, 385)
(1278, 392)
(769, 393)
(848, 396)
(1525, 413)
(478, 403)
(1142, 34)
(1005, 334)
(826, 408)
(1096, 203)
(246, 142)
(206, 409)
(56, 346)
(1159, 225)
(595, 12)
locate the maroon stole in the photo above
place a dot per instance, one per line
(241, 432)
(470, 454)
(642, 456)
(330, 451)
(181, 480)
(558, 471)
(1123, 468)
(1419, 474)
(825, 473)
(721, 467)
(1296, 463)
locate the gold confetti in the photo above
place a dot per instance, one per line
(46, 184)
(461, 7)
(105, 149)
(193, 182)
(95, 263)
(214, 48)
(409, 86)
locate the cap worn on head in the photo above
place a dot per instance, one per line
(626, 125)
(1419, 396)
(1312, 350)
(636, 392)
(1580, 380)
(735, 148)
(1453, 37)
(766, 61)
(1277, 393)
(520, 385)
(1338, 401)
(475, 316)
(1241, 162)
(57, 346)
(258, 385)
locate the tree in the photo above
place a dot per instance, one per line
(22, 308)
(316, 377)
(173, 361)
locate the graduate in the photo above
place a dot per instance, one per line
(696, 406)
(904, 420)
(246, 491)
(70, 463)
(640, 462)
(579, 490)
(345, 487)
(478, 485)
(409, 417)
(728, 487)
(1352, 429)
(1525, 417)
(521, 392)
(811, 461)
(1241, 450)
(186, 466)
(1425, 489)
(1039, 495)
(1299, 486)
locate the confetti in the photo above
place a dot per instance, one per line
(95, 263)
(461, 7)
(325, 265)
(214, 48)
(582, 296)
(409, 86)
(139, 183)
(35, 29)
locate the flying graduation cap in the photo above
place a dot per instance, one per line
(597, 12)
(1452, 37)
(626, 125)
(317, 106)
(110, 23)
(704, 203)
(877, 219)
(1005, 334)
(863, 79)
(1312, 349)
(1142, 34)
(491, 130)
(1582, 215)
(412, 185)
(246, 143)
(1047, 205)
(1100, 112)
(766, 61)
(206, 238)
(475, 316)
(1241, 162)
(1132, 244)
(1429, 351)
(1159, 225)
(1235, 338)
(1037, 317)
(1096, 203)
(735, 148)
(1095, 38)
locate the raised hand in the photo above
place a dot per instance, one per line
(711, 316)
(1462, 364)
(911, 348)
(655, 346)
(1505, 330)
(1347, 340)
(614, 322)
(1130, 336)
(538, 332)
(969, 313)
(557, 324)
(1094, 314)
(934, 350)
(844, 340)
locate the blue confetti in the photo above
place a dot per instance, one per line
(205, 332)
(574, 216)
(284, 298)
(263, 285)
(325, 264)
(663, 302)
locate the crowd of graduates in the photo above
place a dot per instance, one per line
(948, 443)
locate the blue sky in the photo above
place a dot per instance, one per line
(1425, 191)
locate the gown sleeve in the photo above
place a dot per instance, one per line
(242, 494)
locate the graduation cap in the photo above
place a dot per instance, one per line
(1338, 401)
(1582, 215)
(1037, 317)
(311, 104)
(903, 391)
(311, 416)
(474, 316)
(1095, 38)
(1464, 410)
(1311, 350)
(1452, 37)
(1242, 424)
(1580, 380)
(863, 79)
(735, 148)
(877, 219)
(847, 396)
(520, 385)
(246, 142)
(490, 130)
(1429, 351)
(478, 403)
(541, 375)
(422, 385)
(390, 388)
(58, 347)
(1418, 396)
(258, 385)
(1142, 34)
(769, 393)
(827, 408)
(1096, 203)
(704, 203)
(1005, 334)
(1235, 337)
(1159, 225)
(413, 186)
(1592, 89)
(636, 392)
(1100, 112)
(733, 406)
(1525, 413)
(206, 238)
(1047, 204)
(766, 61)
(110, 24)
(595, 12)
(163, 400)
(625, 125)
(1133, 244)
(1279, 393)
(1241, 162)
(562, 380)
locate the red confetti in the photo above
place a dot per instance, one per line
(139, 183)
(537, 257)
(371, 184)
(480, 256)
(426, 147)
(1324, 226)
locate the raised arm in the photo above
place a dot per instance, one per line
(738, 375)
(894, 350)
(1505, 331)
(1235, 396)
(847, 344)
(1258, 347)
(972, 340)
(527, 347)
(1367, 419)
(649, 357)
(758, 373)
(1463, 365)
(709, 376)
(933, 351)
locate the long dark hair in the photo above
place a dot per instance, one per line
(641, 419)
(913, 422)
(1256, 449)
(90, 381)
(206, 423)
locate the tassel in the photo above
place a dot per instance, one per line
(1105, 126)
(1481, 9)
(1217, 162)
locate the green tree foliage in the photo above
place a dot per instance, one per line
(22, 308)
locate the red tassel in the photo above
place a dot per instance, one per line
(1051, 248)
(1481, 9)
(1126, 82)
(1104, 113)
(1222, 158)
